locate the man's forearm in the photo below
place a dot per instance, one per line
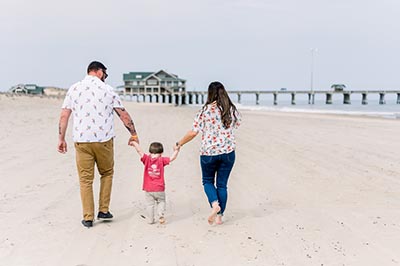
(63, 124)
(127, 120)
(130, 126)
(62, 128)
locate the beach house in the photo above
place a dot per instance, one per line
(27, 89)
(158, 86)
(33, 89)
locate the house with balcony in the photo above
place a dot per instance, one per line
(153, 83)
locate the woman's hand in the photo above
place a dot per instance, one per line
(177, 147)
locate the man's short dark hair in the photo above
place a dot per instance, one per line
(156, 147)
(95, 65)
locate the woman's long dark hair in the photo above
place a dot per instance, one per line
(218, 94)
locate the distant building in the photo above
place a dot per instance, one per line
(34, 89)
(153, 83)
(338, 87)
(27, 89)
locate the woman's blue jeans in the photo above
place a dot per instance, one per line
(216, 170)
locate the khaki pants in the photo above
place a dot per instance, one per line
(87, 155)
(155, 201)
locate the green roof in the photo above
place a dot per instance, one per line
(30, 88)
(172, 79)
(34, 89)
(38, 90)
(134, 75)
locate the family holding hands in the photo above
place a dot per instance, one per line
(92, 104)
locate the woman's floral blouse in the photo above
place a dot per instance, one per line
(215, 139)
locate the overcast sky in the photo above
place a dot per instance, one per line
(246, 44)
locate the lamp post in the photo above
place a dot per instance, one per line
(313, 51)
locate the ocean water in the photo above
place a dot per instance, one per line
(266, 103)
(373, 108)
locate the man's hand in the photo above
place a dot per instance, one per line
(132, 139)
(62, 146)
(62, 128)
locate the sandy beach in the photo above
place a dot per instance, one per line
(306, 189)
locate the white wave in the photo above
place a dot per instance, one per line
(393, 115)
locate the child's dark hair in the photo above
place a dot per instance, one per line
(156, 147)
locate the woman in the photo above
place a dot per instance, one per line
(216, 121)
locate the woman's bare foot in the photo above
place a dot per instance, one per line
(218, 219)
(215, 209)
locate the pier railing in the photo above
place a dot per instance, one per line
(199, 97)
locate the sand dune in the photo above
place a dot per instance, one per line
(305, 190)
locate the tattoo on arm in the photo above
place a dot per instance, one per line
(126, 119)
(63, 123)
(117, 110)
(131, 127)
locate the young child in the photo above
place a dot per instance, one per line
(153, 178)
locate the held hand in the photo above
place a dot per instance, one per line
(177, 147)
(132, 139)
(62, 146)
(133, 143)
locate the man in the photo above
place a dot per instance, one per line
(92, 102)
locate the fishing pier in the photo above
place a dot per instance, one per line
(199, 97)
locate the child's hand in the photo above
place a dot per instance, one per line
(133, 143)
(176, 147)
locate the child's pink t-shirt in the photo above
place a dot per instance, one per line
(153, 176)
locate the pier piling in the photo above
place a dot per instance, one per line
(293, 98)
(328, 98)
(311, 98)
(382, 98)
(346, 98)
(364, 98)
